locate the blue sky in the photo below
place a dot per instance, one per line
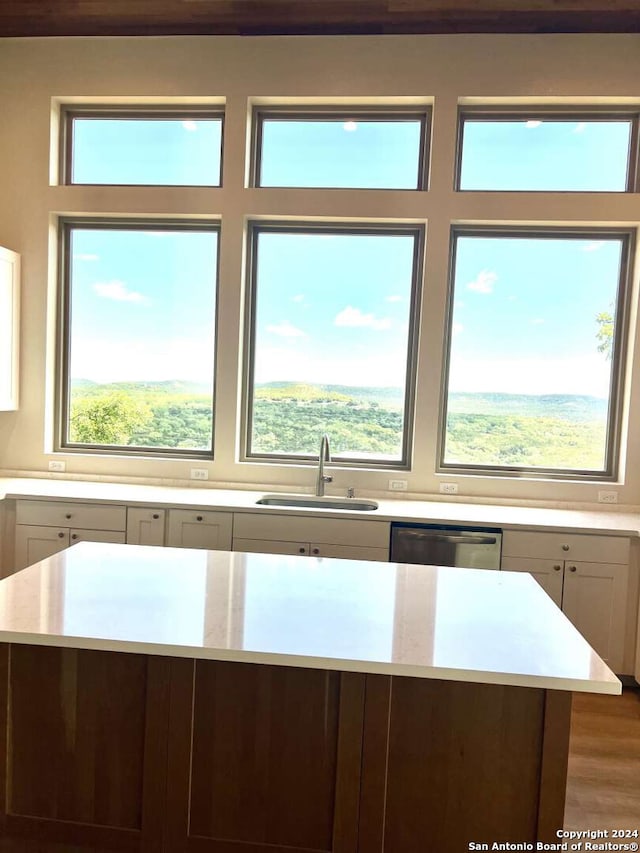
(335, 308)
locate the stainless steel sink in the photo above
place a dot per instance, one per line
(323, 502)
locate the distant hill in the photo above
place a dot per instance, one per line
(567, 407)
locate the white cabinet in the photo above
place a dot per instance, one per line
(145, 526)
(195, 528)
(311, 536)
(45, 527)
(9, 328)
(587, 576)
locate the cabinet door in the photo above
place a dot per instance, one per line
(548, 573)
(270, 546)
(200, 529)
(116, 536)
(34, 543)
(350, 552)
(9, 327)
(145, 526)
(594, 599)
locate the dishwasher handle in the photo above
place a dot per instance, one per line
(450, 538)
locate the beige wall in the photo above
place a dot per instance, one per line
(442, 69)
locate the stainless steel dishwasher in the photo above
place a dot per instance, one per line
(446, 545)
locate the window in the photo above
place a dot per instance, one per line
(536, 330)
(332, 341)
(385, 150)
(138, 320)
(543, 151)
(150, 147)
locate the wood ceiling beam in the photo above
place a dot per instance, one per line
(291, 17)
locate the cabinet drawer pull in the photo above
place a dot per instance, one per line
(573, 568)
(68, 515)
(557, 568)
(74, 535)
(301, 550)
(565, 547)
(198, 518)
(155, 516)
(316, 550)
(61, 535)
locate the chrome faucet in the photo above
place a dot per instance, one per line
(323, 456)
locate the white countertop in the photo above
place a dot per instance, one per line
(422, 621)
(239, 500)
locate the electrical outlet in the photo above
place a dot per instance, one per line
(610, 497)
(56, 465)
(449, 488)
(397, 485)
(199, 474)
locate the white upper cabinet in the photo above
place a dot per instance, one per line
(9, 328)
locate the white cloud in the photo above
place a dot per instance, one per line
(118, 291)
(86, 257)
(286, 330)
(299, 297)
(188, 124)
(594, 246)
(354, 317)
(580, 127)
(395, 297)
(537, 321)
(483, 283)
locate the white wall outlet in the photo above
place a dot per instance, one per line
(199, 474)
(397, 485)
(608, 497)
(57, 465)
(449, 488)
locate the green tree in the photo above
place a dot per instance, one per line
(109, 418)
(605, 332)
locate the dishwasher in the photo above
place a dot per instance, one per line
(446, 545)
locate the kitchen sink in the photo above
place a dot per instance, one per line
(317, 502)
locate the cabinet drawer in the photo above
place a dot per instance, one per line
(77, 515)
(565, 546)
(286, 528)
(196, 528)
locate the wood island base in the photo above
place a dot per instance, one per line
(111, 751)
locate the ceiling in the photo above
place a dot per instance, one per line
(307, 17)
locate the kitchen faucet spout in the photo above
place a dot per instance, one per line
(323, 456)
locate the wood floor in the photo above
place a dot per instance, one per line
(603, 787)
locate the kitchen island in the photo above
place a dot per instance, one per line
(159, 699)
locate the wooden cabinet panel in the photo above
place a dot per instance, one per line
(145, 526)
(349, 552)
(9, 329)
(440, 778)
(84, 733)
(270, 546)
(334, 531)
(200, 529)
(594, 599)
(548, 573)
(565, 546)
(34, 543)
(78, 515)
(116, 536)
(273, 762)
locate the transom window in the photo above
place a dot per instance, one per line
(340, 149)
(546, 151)
(535, 351)
(145, 147)
(138, 316)
(332, 341)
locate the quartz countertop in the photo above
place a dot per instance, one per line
(239, 500)
(422, 621)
